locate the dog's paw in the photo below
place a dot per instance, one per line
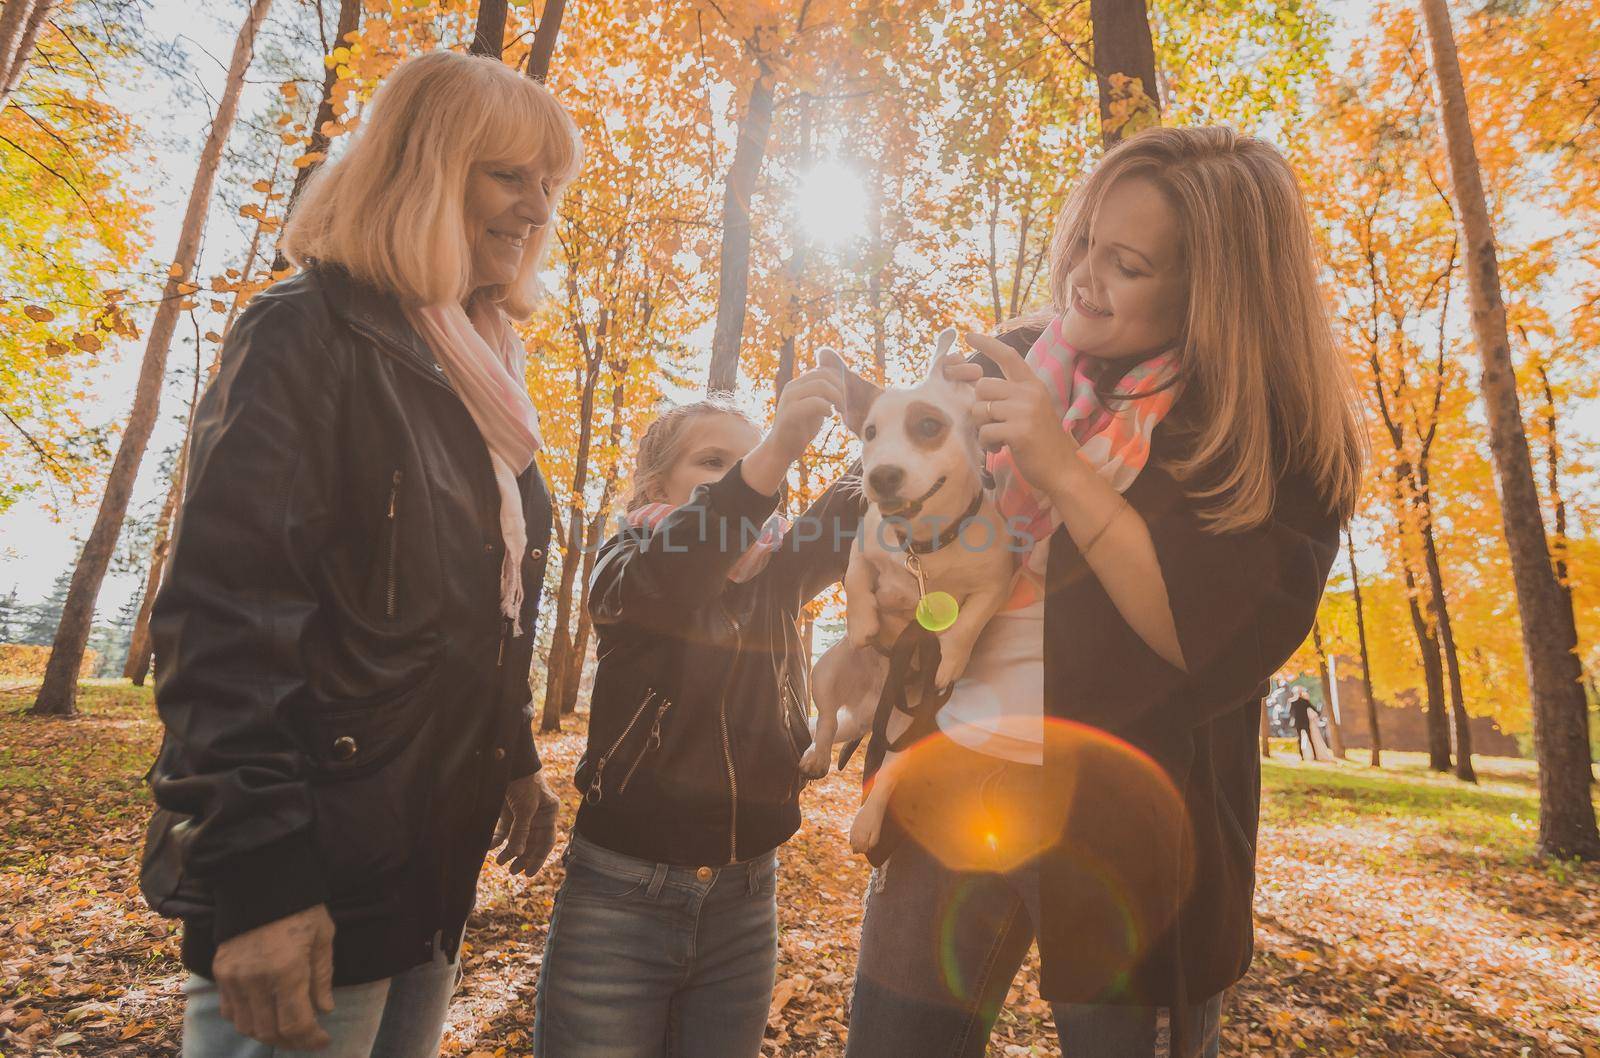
(950, 670)
(862, 632)
(814, 761)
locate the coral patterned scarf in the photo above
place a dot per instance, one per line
(1113, 435)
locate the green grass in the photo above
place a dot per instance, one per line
(1497, 816)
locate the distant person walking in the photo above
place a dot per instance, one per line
(1300, 709)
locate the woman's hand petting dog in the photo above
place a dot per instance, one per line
(1016, 411)
(803, 407)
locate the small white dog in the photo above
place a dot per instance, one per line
(931, 527)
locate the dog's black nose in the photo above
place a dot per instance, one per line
(886, 481)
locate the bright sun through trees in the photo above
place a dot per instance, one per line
(830, 204)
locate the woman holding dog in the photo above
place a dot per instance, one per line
(1180, 441)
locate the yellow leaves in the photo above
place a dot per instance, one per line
(289, 139)
(261, 186)
(89, 343)
(175, 272)
(331, 129)
(218, 306)
(188, 288)
(309, 158)
(339, 56)
(290, 91)
(213, 336)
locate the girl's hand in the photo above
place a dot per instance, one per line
(802, 409)
(1019, 412)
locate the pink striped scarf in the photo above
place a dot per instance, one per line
(1114, 440)
(753, 561)
(487, 363)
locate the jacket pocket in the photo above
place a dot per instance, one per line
(350, 739)
(595, 790)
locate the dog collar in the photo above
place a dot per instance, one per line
(945, 537)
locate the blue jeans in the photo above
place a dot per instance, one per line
(398, 1017)
(939, 949)
(646, 959)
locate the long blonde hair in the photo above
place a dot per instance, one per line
(663, 445)
(391, 210)
(1264, 385)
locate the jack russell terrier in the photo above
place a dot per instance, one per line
(931, 534)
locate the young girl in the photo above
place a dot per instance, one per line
(664, 935)
(1180, 439)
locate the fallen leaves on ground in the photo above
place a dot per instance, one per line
(1398, 914)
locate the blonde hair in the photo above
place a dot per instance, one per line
(1265, 388)
(663, 445)
(391, 210)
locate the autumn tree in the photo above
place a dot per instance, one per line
(72, 234)
(1566, 818)
(1124, 68)
(58, 693)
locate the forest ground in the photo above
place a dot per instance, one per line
(1398, 913)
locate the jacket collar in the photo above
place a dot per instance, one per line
(378, 315)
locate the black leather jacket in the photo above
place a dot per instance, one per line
(343, 702)
(698, 721)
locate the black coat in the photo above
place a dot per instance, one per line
(344, 704)
(1146, 899)
(697, 722)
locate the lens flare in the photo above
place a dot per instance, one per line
(937, 611)
(1099, 820)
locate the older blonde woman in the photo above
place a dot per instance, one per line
(344, 637)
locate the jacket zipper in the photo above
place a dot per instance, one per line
(390, 596)
(594, 793)
(783, 716)
(727, 755)
(650, 743)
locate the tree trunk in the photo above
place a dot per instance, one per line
(1335, 735)
(1366, 659)
(1123, 48)
(58, 693)
(562, 663)
(137, 667)
(1427, 635)
(1566, 813)
(21, 22)
(544, 39)
(1266, 731)
(733, 277)
(1459, 721)
(349, 22)
(1559, 546)
(580, 641)
(489, 39)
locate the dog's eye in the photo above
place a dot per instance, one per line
(929, 427)
(869, 433)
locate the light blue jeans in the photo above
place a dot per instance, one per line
(939, 949)
(646, 959)
(398, 1017)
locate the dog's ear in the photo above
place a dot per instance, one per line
(858, 392)
(941, 346)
